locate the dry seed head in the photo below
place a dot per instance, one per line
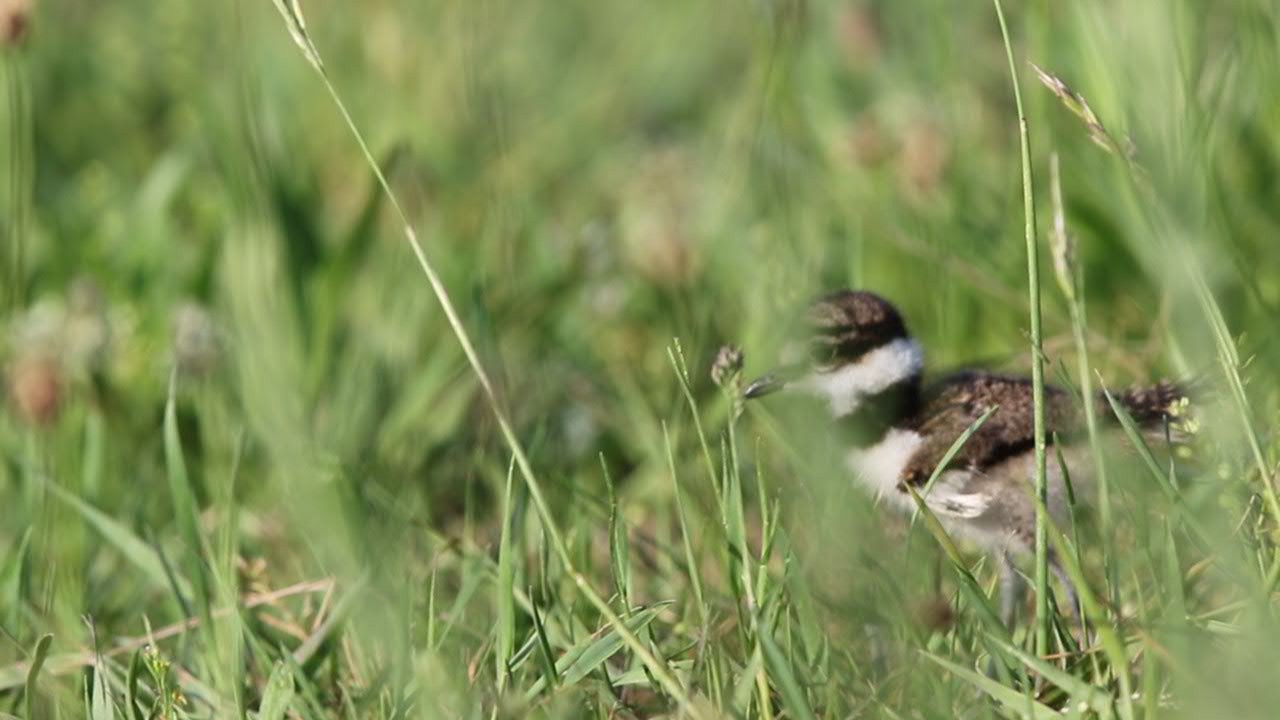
(858, 32)
(196, 346)
(35, 385)
(291, 11)
(726, 373)
(40, 329)
(1076, 103)
(923, 157)
(87, 328)
(1063, 247)
(727, 368)
(1182, 417)
(1061, 244)
(866, 143)
(657, 218)
(1073, 100)
(15, 20)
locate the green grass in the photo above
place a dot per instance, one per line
(274, 484)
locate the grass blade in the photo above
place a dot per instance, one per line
(676, 354)
(793, 697)
(1016, 702)
(12, 580)
(578, 666)
(185, 507)
(100, 698)
(591, 652)
(549, 671)
(618, 555)
(691, 562)
(130, 546)
(307, 651)
(1112, 645)
(1097, 700)
(278, 695)
(38, 656)
(504, 590)
(1043, 615)
(1134, 434)
(950, 455)
(133, 707)
(968, 583)
(292, 16)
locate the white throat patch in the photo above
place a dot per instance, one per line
(880, 466)
(877, 371)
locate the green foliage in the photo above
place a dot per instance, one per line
(240, 436)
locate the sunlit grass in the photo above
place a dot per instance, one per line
(248, 470)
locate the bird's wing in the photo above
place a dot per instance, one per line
(954, 495)
(956, 402)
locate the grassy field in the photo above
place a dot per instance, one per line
(247, 469)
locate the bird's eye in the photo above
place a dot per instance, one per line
(822, 353)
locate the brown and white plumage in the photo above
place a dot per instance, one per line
(862, 361)
(961, 399)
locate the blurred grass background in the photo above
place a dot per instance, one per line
(592, 180)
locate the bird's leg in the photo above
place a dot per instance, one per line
(1011, 587)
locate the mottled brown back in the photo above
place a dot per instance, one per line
(956, 402)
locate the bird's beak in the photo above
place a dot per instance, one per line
(763, 385)
(771, 382)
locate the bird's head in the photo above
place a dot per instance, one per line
(853, 345)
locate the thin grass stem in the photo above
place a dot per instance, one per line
(1037, 356)
(695, 577)
(655, 666)
(20, 163)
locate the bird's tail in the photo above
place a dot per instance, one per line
(1165, 405)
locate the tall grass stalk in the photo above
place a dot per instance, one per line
(1043, 619)
(1229, 359)
(690, 558)
(623, 190)
(21, 161)
(292, 14)
(505, 588)
(676, 354)
(1153, 213)
(1071, 281)
(1070, 275)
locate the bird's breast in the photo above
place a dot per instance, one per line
(879, 466)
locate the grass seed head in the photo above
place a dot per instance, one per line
(1062, 244)
(196, 347)
(87, 327)
(866, 143)
(1063, 247)
(657, 219)
(860, 37)
(726, 371)
(1075, 102)
(36, 387)
(923, 158)
(15, 21)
